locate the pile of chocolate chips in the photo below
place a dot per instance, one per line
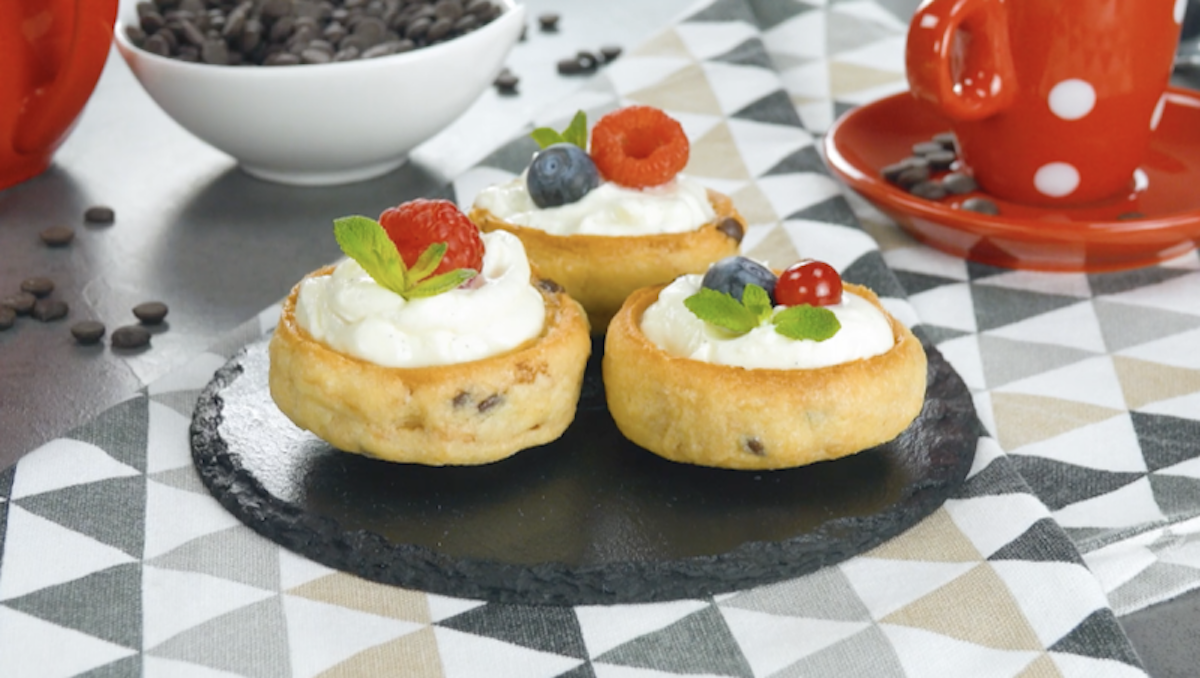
(916, 174)
(291, 32)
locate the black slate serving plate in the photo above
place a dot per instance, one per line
(587, 519)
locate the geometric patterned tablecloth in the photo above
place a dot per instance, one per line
(115, 560)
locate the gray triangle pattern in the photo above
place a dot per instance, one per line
(1126, 325)
(870, 270)
(1123, 281)
(775, 108)
(1176, 495)
(774, 12)
(1152, 583)
(999, 306)
(1008, 360)
(844, 32)
(824, 594)
(805, 159)
(866, 653)
(752, 52)
(724, 11)
(120, 431)
(129, 667)
(246, 333)
(112, 511)
(183, 402)
(185, 478)
(698, 643)
(250, 641)
(934, 335)
(238, 554)
(105, 604)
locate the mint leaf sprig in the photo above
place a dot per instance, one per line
(739, 317)
(364, 240)
(575, 133)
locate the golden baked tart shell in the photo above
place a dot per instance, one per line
(600, 271)
(468, 413)
(732, 417)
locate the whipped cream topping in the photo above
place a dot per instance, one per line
(672, 327)
(677, 206)
(496, 312)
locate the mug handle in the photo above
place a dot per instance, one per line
(51, 110)
(967, 80)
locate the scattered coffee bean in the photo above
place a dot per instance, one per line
(87, 332)
(587, 60)
(926, 147)
(506, 82)
(57, 236)
(8, 318)
(947, 140)
(610, 52)
(130, 336)
(981, 205)
(957, 183)
(47, 310)
(569, 66)
(940, 160)
(21, 303)
(99, 215)
(548, 21)
(38, 287)
(929, 190)
(150, 312)
(1130, 215)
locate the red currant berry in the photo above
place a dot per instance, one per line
(809, 282)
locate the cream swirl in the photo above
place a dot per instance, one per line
(500, 310)
(672, 327)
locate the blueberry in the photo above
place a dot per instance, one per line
(731, 275)
(561, 174)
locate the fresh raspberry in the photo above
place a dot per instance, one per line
(417, 224)
(639, 146)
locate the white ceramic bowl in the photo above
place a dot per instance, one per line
(328, 123)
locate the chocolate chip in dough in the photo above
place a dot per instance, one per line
(22, 303)
(88, 331)
(732, 228)
(38, 287)
(549, 286)
(99, 214)
(57, 236)
(47, 310)
(130, 336)
(151, 312)
(7, 318)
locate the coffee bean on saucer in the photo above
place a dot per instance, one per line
(506, 82)
(47, 310)
(87, 332)
(151, 312)
(929, 190)
(914, 174)
(548, 21)
(38, 287)
(8, 318)
(99, 215)
(940, 160)
(947, 140)
(894, 170)
(927, 147)
(21, 303)
(130, 336)
(57, 236)
(610, 52)
(957, 183)
(1130, 215)
(981, 205)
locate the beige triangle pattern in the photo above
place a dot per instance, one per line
(846, 78)
(935, 539)
(776, 249)
(1023, 419)
(1042, 667)
(977, 608)
(665, 44)
(753, 204)
(886, 234)
(716, 155)
(799, 100)
(1144, 382)
(359, 594)
(412, 656)
(686, 90)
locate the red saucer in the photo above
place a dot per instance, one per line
(1089, 238)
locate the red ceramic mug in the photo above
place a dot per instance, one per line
(1053, 101)
(51, 55)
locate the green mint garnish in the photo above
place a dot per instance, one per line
(807, 322)
(739, 317)
(575, 133)
(365, 241)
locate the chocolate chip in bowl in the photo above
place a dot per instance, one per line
(345, 88)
